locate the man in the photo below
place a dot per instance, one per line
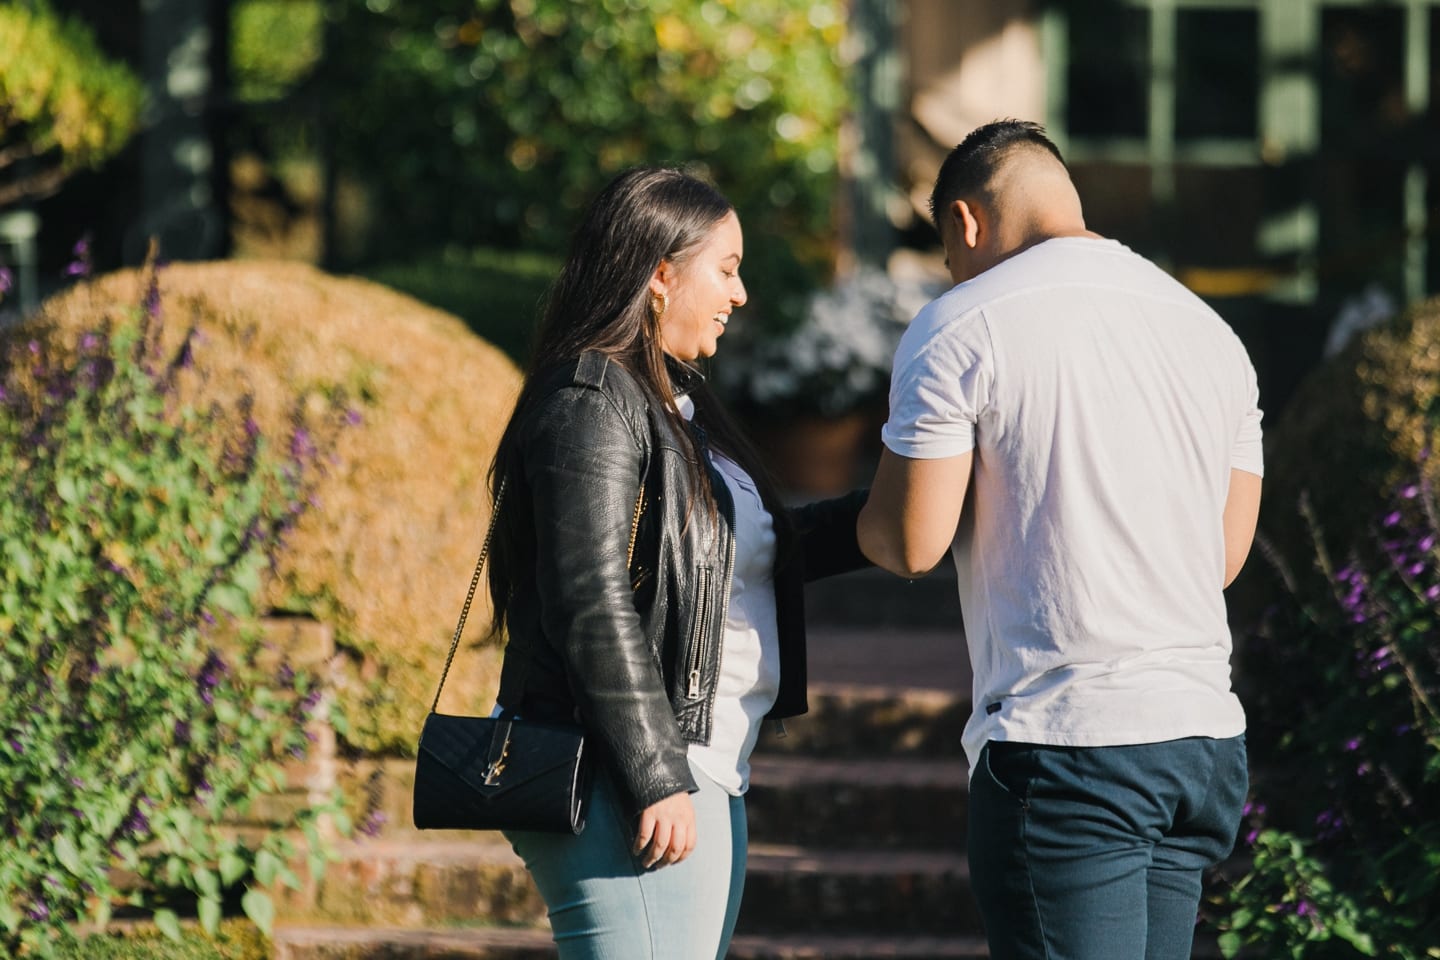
(1084, 433)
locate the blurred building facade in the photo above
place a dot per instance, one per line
(1280, 157)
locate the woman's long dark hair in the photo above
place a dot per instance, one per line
(601, 301)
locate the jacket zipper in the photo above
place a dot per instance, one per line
(693, 691)
(701, 637)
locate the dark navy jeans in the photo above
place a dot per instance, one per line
(1096, 853)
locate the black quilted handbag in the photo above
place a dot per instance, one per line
(502, 773)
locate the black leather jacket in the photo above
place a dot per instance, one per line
(628, 640)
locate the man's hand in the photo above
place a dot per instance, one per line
(909, 521)
(667, 831)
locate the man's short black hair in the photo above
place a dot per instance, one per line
(970, 165)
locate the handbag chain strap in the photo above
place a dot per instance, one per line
(470, 594)
(480, 565)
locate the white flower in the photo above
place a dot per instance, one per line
(840, 355)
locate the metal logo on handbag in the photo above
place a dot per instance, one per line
(498, 773)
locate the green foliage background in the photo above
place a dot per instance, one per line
(492, 122)
(64, 106)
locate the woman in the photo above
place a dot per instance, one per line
(649, 580)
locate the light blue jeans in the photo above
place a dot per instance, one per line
(604, 905)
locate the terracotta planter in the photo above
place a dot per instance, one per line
(817, 456)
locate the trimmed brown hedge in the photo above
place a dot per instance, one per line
(386, 552)
(1357, 428)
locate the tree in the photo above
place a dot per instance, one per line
(63, 105)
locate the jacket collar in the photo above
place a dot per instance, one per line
(684, 378)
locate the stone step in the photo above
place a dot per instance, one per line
(789, 889)
(845, 722)
(889, 802)
(294, 942)
(866, 720)
(450, 877)
(898, 801)
(816, 890)
(338, 943)
(872, 597)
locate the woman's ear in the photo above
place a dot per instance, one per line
(661, 279)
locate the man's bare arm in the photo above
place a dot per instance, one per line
(1242, 512)
(909, 521)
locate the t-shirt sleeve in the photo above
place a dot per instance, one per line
(1248, 454)
(939, 387)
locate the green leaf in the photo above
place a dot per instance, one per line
(66, 490)
(260, 909)
(168, 923)
(209, 910)
(232, 867)
(206, 882)
(66, 853)
(267, 866)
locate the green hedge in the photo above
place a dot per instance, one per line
(497, 293)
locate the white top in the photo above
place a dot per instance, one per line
(1106, 405)
(749, 678)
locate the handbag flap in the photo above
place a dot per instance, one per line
(463, 744)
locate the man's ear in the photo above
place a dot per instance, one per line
(970, 221)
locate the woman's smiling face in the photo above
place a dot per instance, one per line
(701, 292)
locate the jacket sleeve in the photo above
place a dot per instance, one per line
(826, 532)
(583, 464)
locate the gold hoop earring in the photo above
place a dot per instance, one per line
(659, 303)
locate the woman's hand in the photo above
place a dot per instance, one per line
(667, 831)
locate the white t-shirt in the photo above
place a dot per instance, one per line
(1106, 405)
(749, 679)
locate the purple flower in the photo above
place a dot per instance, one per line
(138, 824)
(1352, 744)
(16, 746)
(1427, 542)
(1409, 491)
(39, 911)
(301, 446)
(1415, 569)
(152, 297)
(7, 281)
(372, 824)
(81, 265)
(1392, 518)
(1304, 908)
(353, 417)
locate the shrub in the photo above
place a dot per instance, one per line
(496, 293)
(136, 530)
(1354, 431)
(63, 105)
(386, 550)
(1342, 684)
